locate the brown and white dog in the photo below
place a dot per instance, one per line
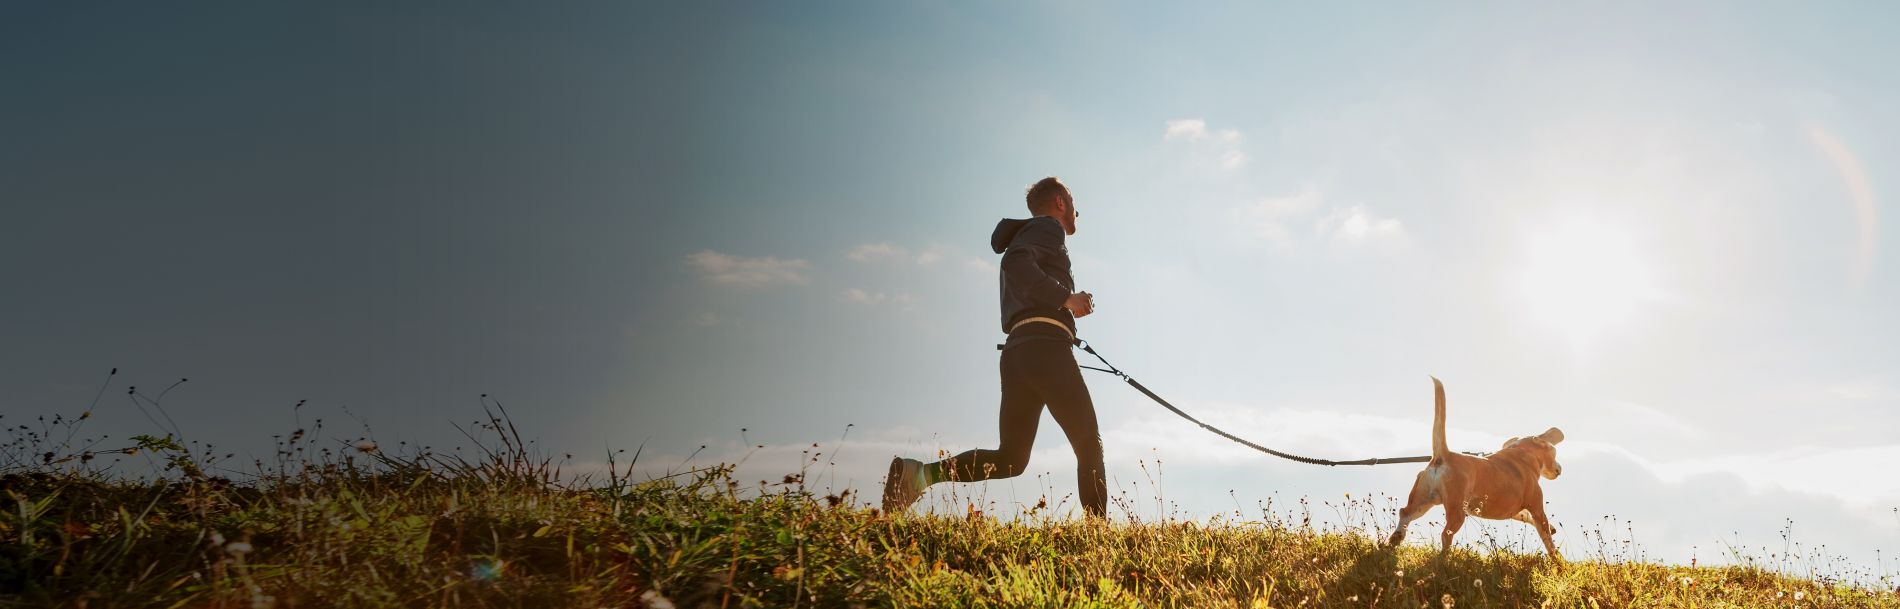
(1501, 486)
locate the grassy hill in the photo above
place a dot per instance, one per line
(358, 527)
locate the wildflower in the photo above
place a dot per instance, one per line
(1399, 573)
(653, 600)
(1446, 601)
(237, 548)
(366, 446)
(1798, 595)
(260, 600)
(217, 539)
(1687, 581)
(1477, 583)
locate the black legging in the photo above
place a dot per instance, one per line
(1035, 373)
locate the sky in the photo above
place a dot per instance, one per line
(756, 227)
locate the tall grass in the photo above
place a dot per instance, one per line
(360, 525)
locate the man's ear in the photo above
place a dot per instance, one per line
(1553, 435)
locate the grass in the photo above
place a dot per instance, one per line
(361, 526)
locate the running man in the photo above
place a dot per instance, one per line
(1040, 306)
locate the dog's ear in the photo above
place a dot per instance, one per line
(1553, 435)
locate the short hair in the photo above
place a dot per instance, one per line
(1042, 195)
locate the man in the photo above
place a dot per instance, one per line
(1040, 306)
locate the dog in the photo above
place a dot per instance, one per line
(1501, 486)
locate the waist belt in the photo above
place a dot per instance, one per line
(1043, 320)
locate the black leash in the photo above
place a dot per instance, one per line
(1111, 369)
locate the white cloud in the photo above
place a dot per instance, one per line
(739, 271)
(1271, 217)
(1354, 224)
(1275, 219)
(893, 272)
(878, 253)
(1189, 129)
(1835, 472)
(934, 254)
(1223, 145)
(1633, 415)
(1863, 389)
(897, 255)
(864, 297)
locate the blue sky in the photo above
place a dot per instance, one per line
(1657, 227)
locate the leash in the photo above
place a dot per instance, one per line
(1111, 369)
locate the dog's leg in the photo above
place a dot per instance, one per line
(1542, 522)
(1412, 511)
(1454, 520)
(1424, 495)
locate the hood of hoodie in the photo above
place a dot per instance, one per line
(1006, 230)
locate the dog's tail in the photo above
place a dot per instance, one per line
(1439, 449)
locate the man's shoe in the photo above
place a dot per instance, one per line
(901, 486)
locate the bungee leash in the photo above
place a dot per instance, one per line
(1111, 369)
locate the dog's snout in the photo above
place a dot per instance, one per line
(1556, 469)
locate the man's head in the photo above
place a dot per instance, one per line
(1050, 197)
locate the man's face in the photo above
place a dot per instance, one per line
(1066, 214)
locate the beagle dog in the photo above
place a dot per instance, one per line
(1501, 486)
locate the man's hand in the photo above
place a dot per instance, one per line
(1080, 303)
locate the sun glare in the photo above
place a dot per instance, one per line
(1582, 277)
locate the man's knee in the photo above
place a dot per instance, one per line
(1089, 452)
(1010, 461)
(1016, 462)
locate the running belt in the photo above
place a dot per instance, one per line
(1044, 320)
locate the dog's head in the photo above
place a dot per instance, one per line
(1543, 448)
